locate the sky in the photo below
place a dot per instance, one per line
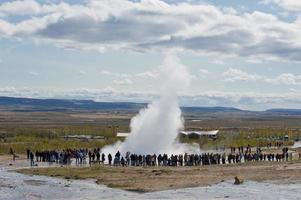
(240, 53)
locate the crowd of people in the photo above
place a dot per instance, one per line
(94, 156)
(66, 156)
(59, 157)
(199, 159)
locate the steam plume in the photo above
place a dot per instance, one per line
(155, 128)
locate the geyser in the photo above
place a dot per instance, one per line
(155, 128)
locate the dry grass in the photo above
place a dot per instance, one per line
(42, 130)
(146, 179)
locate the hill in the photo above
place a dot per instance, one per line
(32, 105)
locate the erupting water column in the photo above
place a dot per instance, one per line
(155, 128)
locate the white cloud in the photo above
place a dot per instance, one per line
(245, 100)
(27, 7)
(124, 81)
(113, 74)
(106, 72)
(218, 62)
(286, 79)
(148, 75)
(233, 74)
(34, 8)
(204, 71)
(291, 5)
(154, 26)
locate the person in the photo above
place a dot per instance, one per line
(117, 155)
(110, 159)
(103, 158)
(27, 152)
(122, 162)
(90, 157)
(31, 159)
(98, 156)
(12, 152)
(224, 158)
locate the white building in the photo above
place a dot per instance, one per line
(211, 134)
(200, 133)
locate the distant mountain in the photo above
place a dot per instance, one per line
(30, 105)
(284, 111)
(210, 109)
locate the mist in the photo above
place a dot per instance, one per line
(155, 128)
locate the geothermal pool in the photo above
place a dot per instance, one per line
(15, 186)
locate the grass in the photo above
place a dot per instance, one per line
(21, 139)
(147, 179)
(44, 139)
(244, 137)
(51, 144)
(71, 172)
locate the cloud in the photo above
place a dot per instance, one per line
(124, 81)
(291, 5)
(32, 8)
(29, 7)
(144, 26)
(106, 72)
(148, 75)
(204, 71)
(218, 62)
(113, 74)
(243, 100)
(120, 79)
(233, 74)
(286, 79)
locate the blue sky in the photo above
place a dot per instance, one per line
(244, 54)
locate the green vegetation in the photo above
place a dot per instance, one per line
(244, 137)
(46, 130)
(21, 139)
(52, 138)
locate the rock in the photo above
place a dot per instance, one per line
(238, 180)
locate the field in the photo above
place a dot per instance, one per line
(47, 130)
(41, 130)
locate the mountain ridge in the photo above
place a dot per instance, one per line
(52, 104)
